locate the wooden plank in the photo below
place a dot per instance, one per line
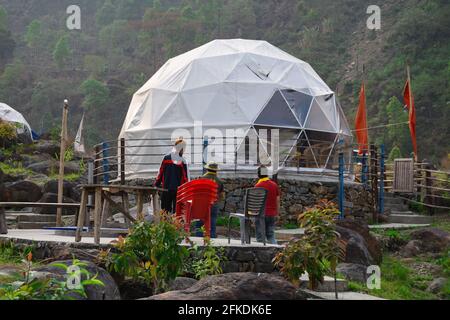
(140, 206)
(81, 215)
(105, 213)
(38, 205)
(3, 225)
(97, 214)
(156, 207)
(119, 207)
(404, 176)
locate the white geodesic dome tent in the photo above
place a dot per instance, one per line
(243, 85)
(11, 115)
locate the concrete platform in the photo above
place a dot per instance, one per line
(288, 234)
(341, 296)
(397, 226)
(52, 236)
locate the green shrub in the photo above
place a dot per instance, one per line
(206, 261)
(151, 253)
(318, 251)
(7, 132)
(26, 286)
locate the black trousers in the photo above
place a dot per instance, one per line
(169, 201)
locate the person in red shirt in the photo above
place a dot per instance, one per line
(272, 206)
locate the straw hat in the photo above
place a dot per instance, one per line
(212, 166)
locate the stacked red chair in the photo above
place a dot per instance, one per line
(194, 202)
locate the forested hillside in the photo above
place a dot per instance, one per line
(122, 43)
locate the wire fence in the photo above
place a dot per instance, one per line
(120, 160)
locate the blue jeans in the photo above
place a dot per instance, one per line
(214, 215)
(270, 230)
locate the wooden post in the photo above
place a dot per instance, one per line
(428, 199)
(156, 207)
(374, 173)
(140, 206)
(3, 225)
(122, 161)
(61, 162)
(81, 215)
(97, 214)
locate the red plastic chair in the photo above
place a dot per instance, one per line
(194, 202)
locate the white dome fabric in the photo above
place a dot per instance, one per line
(10, 115)
(229, 84)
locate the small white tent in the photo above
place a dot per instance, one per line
(233, 84)
(8, 114)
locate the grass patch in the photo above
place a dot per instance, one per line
(71, 177)
(16, 169)
(290, 226)
(223, 222)
(398, 282)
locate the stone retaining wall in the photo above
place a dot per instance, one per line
(238, 259)
(296, 195)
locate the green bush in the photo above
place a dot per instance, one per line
(26, 286)
(151, 253)
(318, 251)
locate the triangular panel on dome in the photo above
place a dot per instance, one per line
(344, 128)
(322, 145)
(277, 113)
(299, 102)
(199, 100)
(328, 105)
(253, 150)
(301, 154)
(317, 120)
(177, 115)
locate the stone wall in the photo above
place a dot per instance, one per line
(238, 258)
(297, 195)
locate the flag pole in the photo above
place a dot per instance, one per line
(61, 163)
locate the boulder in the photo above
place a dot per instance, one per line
(133, 290)
(437, 285)
(22, 191)
(28, 160)
(356, 247)
(235, 286)
(51, 148)
(182, 283)
(432, 240)
(53, 198)
(371, 242)
(49, 167)
(411, 249)
(70, 190)
(109, 291)
(353, 271)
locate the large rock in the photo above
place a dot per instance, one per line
(53, 198)
(235, 286)
(411, 249)
(109, 291)
(182, 283)
(371, 242)
(22, 191)
(49, 167)
(353, 271)
(432, 239)
(70, 190)
(437, 285)
(51, 148)
(356, 248)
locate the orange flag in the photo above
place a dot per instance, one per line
(408, 99)
(362, 132)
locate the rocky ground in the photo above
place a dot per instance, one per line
(29, 174)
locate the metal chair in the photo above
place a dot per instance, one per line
(254, 209)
